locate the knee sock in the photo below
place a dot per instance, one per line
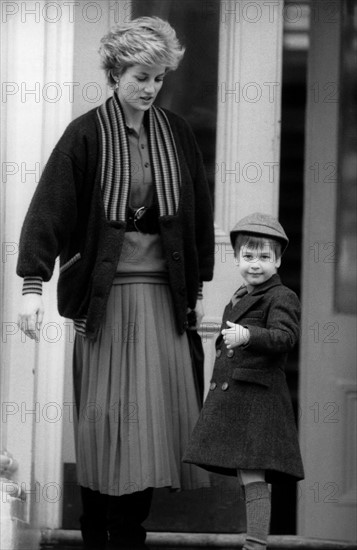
(258, 506)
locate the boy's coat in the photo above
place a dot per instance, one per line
(247, 421)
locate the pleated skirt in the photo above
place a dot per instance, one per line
(135, 396)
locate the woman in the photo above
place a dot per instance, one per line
(124, 201)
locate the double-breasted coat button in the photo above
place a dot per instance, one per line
(176, 256)
(212, 386)
(225, 386)
(230, 353)
(218, 353)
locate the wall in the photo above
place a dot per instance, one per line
(327, 503)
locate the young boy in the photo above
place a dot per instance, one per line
(247, 427)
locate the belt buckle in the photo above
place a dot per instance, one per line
(138, 214)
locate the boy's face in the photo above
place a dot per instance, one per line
(257, 265)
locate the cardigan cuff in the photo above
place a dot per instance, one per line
(32, 285)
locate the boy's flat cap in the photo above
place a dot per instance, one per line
(260, 224)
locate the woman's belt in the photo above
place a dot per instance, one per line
(144, 220)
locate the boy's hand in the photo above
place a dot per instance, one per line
(235, 335)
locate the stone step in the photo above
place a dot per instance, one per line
(71, 540)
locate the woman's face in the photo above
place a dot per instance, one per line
(139, 86)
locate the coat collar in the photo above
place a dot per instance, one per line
(250, 299)
(270, 283)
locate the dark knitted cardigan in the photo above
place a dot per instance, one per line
(66, 218)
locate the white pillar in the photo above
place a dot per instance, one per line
(37, 47)
(55, 333)
(248, 135)
(248, 124)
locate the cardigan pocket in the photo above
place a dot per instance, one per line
(70, 262)
(255, 376)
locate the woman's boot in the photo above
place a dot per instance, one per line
(126, 514)
(94, 519)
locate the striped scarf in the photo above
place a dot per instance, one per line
(115, 175)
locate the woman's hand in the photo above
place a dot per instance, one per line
(199, 313)
(235, 335)
(31, 315)
(195, 316)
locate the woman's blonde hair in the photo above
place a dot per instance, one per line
(143, 41)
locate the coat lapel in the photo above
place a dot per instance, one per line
(249, 300)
